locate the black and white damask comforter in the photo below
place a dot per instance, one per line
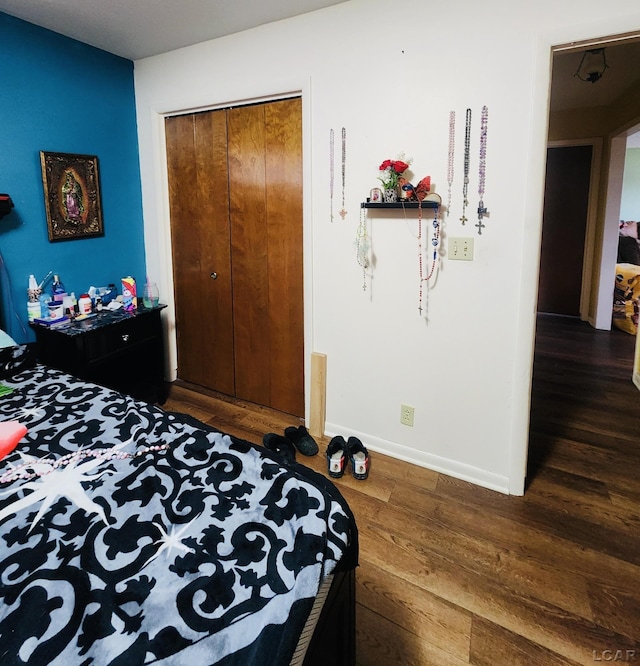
(206, 551)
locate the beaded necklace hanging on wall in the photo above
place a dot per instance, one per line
(343, 170)
(467, 159)
(343, 162)
(435, 241)
(331, 170)
(362, 241)
(452, 136)
(363, 247)
(482, 168)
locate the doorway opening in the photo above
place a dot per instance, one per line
(608, 110)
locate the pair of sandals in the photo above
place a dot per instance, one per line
(340, 451)
(294, 438)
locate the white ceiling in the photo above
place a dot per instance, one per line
(136, 29)
(622, 75)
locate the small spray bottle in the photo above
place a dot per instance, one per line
(33, 303)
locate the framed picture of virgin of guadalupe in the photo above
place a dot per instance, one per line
(71, 195)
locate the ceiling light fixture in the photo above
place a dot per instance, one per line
(592, 66)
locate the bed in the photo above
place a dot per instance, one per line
(626, 293)
(131, 535)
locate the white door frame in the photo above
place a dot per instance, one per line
(163, 226)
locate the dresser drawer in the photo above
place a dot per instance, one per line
(125, 335)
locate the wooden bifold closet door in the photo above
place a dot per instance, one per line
(235, 190)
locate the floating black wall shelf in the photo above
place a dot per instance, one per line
(400, 204)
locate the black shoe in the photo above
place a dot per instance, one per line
(302, 440)
(337, 457)
(359, 457)
(280, 445)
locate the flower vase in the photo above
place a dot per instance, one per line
(390, 195)
(150, 295)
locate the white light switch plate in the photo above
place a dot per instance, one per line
(460, 248)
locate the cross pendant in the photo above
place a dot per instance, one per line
(463, 219)
(343, 213)
(482, 212)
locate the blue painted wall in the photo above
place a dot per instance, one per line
(60, 95)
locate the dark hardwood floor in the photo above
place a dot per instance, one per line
(451, 573)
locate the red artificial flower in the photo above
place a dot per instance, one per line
(399, 166)
(392, 169)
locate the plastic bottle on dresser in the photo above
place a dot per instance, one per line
(33, 304)
(33, 290)
(33, 310)
(44, 306)
(58, 292)
(84, 304)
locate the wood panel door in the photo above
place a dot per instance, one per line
(564, 225)
(248, 231)
(200, 237)
(265, 184)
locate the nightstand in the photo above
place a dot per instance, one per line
(121, 350)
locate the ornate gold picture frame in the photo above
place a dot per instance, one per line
(71, 195)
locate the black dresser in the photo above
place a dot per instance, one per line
(118, 349)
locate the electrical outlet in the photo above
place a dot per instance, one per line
(406, 415)
(461, 248)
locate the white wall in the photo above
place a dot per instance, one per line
(390, 74)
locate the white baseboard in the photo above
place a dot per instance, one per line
(479, 477)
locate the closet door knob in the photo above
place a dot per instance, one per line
(214, 276)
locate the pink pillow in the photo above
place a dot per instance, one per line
(11, 432)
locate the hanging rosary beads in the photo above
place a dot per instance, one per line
(343, 212)
(467, 160)
(343, 165)
(362, 242)
(363, 247)
(452, 137)
(331, 169)
(435, 240)
(482, 168)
